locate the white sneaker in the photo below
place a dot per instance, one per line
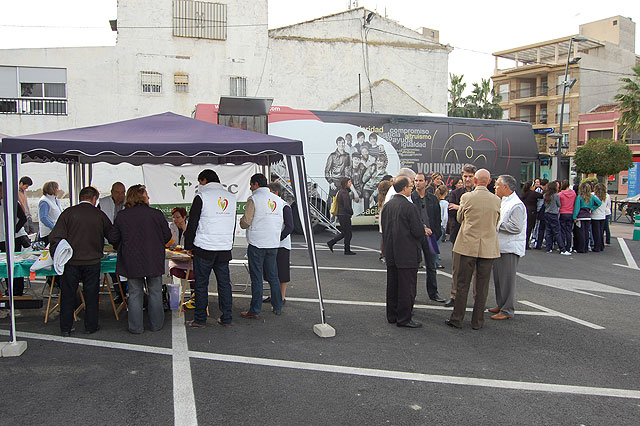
(565, 253)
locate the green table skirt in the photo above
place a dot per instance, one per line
(22, 268)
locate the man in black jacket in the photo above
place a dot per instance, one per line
(402, 232)
(84, 227)
(429, 209)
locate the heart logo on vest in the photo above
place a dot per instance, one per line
(271, 204)
(223, 203)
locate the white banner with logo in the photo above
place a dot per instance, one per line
(175, 186)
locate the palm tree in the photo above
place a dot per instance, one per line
(457, 102)
(629, 98)
(480, 106)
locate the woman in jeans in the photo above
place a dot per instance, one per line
(585, 204)
(552, 219)
(139, 234)
(567, 201)
(599, 216)
(345, 211)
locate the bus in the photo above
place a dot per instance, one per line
(365, 147)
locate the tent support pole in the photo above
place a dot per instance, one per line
(10, 197)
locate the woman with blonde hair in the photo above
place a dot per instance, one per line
(585, 204)
(598, 217)
(49, 209)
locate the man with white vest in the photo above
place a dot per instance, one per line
(512, 240)
(209, 238)
(283, 259)
(263, 219)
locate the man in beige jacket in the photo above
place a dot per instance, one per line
(476, 247)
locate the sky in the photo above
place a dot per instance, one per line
(474, 29)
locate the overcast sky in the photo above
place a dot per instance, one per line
(474, 29)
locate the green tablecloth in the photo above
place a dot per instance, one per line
(22, 268)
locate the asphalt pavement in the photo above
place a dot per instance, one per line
(569, 357)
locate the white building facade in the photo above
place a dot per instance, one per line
(171, 55)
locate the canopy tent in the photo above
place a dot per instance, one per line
(162, 138)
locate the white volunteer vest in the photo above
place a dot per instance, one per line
(54, 212)
(511, 243)
(267, 222)
(217, 219)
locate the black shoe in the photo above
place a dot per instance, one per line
(66, 334)
(410, 324)
(450, 303)
(391, 321)
(91, 331)
(440, 267)
(437, 298)
(267, 300)
(350, 253)
(450, 324)
(330, 246)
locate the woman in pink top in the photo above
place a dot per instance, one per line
(567, 201)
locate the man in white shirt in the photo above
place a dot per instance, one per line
(512, 240)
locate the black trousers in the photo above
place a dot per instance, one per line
(345, 232)
(597, 230)
(531, 223)
(401, 293)
(90, 277)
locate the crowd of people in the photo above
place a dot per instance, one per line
(490, 231)
(140, 234)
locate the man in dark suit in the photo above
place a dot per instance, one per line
(402, 233)
(429, 208)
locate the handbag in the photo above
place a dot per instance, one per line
(432, 244)
(334, 206)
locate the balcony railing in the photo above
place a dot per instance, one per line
(33, 106)
(533, 119)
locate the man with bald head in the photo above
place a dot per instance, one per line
(111, 205)
(403, 172)
(475, 248)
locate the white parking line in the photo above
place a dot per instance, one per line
(378, 304)
(631, 262)
(561, 315)
(184, 403)
(420, 377)
(354, 371)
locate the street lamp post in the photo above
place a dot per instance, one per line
(565, 84)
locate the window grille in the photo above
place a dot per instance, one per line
(238, 86)
(181, 82)
(151, 82)
(199, 19)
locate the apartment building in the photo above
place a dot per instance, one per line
(532, 80)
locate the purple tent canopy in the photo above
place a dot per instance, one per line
(161, 138)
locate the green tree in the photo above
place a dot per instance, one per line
(603, 157)
(629, 98)
(482, 103)
(457, 102)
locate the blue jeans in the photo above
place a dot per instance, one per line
(202, 270)
(136, 301)
(552, 223)
(261, 261)
(607, 230)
